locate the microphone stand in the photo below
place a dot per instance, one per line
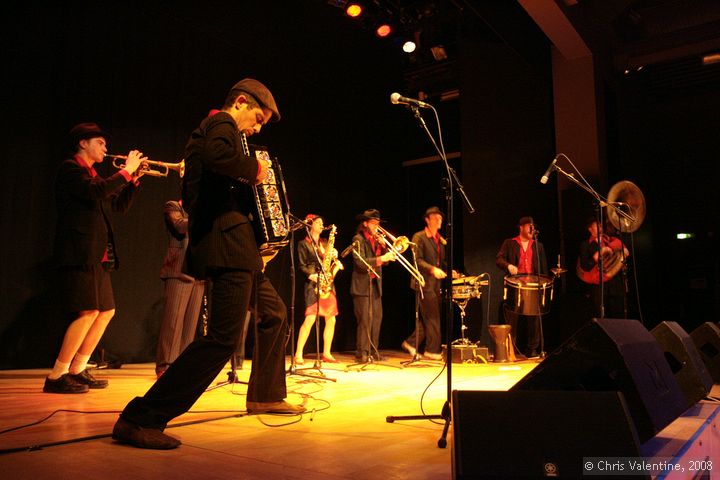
(448, 184)
(317, 365)
(600, 202)
(539, 293)
(373, 348)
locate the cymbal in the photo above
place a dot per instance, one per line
(558, 270)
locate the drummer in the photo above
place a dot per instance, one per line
(430, 255)
(522, 255)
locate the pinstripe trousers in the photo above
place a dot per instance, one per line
(183, 300)
(231, 293)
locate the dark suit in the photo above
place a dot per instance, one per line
(84, 229)
(509, 254)
(222, 249)
(428, 257)
(84, 233)
(183, 294)
(366, 292)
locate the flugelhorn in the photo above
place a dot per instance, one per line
(150, 167)
(398, 245)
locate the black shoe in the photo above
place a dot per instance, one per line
(379, 358)
(137, 436)
(64, 384)
(362, 358)
(85, 378)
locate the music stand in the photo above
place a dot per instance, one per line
(448, 184)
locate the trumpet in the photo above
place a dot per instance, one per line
(398, 245)
(150, 167)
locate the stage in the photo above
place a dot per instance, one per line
(344, 434)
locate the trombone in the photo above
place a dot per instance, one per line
(150, 167)
(398, 245)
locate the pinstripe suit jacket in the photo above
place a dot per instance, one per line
(217, 195)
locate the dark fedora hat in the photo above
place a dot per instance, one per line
(84, 131)
(370, 214)
(432, 210)
(525, 221)
(259, 92)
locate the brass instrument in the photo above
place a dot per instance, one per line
(330, 266)
(629, 206)
(398, 245)
(150, 167)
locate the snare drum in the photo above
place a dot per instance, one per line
(461, 292)
(528, 294)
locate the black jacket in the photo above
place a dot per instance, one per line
(83, 204)
(217, 194)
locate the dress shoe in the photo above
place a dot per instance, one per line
(330, 359)
(85, 378)
(137, 436)
(64, 384)
(362, 358)
(379, 358)
(299, 361)
(274, 407)
(409, 348)
(433, 356)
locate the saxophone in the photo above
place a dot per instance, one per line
(330, 266)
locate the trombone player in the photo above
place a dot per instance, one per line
(366, 285)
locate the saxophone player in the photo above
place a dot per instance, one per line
(319, 277)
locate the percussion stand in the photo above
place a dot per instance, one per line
(448, 184)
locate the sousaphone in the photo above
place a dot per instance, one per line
(626, 209)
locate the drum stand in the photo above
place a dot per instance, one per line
(461, 305)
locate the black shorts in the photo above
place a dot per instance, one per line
(86, 288)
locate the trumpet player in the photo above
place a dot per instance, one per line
(85, 251)
(366, 286)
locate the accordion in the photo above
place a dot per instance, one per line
(269, 215)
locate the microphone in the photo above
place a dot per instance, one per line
(349, 249)
(550, 169)
(396, 98)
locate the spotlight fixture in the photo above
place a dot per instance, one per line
(353, 10)
(383, 30)
(409, 46)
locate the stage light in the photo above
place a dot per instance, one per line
(685, 236)
(383, 30)
(409, 46)
(354, 10)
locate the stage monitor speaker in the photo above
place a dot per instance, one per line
(707, 340)
(614, 355)
(536, 434)
(684, 360)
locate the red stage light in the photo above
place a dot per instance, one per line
(383, 30)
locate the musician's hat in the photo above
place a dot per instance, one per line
(260, 93)
(370, 214)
